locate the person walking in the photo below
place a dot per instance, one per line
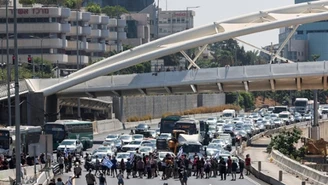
(223, 169)
(102, 180)
(90, 178)
(120, 178)
(241, 168)
(234, 167)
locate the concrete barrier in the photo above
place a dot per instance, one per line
(28, 174)
(294, 167)
(113, 125)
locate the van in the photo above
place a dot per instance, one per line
(229, 113)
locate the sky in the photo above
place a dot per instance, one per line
(216, 10)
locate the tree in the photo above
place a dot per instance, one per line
(114, 11)
(93, 8)
(27, 2)
(315, 57)
(73, 4)
(285, 142)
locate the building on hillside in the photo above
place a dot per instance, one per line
(50, 33)
(309, 39)
(137, 29)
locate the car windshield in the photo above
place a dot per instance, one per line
(125, 137)
(67, 143)
(111, 136)
(135, 143)
(210, 119)
(227, 126)
(122, 155)
(163, 137)
(211, 128)
(283, 116)
(137, 136)
(214, 145)
(145, 149)
(103, 149)
(142, 126)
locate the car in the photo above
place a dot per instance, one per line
(133, 145)
(137, 137)
(126, 138)
(99, 155)
(145, 150)
(211, 121)
(112, 137)
(122, 155)
(277, 122)
(228, 128)
(142, 127)
(166, 136)
(149, 134)
(73, 146)
(105, 149)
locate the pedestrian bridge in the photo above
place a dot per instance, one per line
(203, 80)
(269, 77)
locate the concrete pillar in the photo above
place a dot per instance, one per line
(35, 106)
(303, 183)
(51, 105)
(259, 166)
(280, 175)
(122, 116)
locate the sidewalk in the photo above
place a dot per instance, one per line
(269, 168)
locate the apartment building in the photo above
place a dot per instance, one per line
(58, 34)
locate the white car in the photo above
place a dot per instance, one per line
(73, 146)
(211, 121)
(133, 145)
(125, 138)
(100, 156)
(112, 137)
(122, 155)
(145, 150)
(105, 149)
(137, 137)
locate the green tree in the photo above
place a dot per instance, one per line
(73, 4)
(93, 8)
(315, 57)
(285, 142)
(27, 2)
(114, 11)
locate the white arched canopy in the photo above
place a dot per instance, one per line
(211, 33)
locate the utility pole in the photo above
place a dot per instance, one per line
(8, 68)
(17, 103)
(157, 21)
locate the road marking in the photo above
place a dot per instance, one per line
(251, 180)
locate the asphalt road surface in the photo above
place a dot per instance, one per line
(250, 180)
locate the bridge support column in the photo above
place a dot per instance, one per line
(315, 129)
(35, 107)
(52, 108)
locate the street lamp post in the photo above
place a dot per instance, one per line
(187, 11)
(42, 57)
(8, 67)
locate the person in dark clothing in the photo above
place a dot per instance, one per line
(241, 168)
(234, 167)
(223, 169)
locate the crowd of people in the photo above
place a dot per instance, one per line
(148, 166)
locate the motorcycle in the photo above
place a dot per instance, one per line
(77, 171)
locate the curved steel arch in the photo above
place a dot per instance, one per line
(211, 33)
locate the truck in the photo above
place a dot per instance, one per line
(301, 105)
(229, 113)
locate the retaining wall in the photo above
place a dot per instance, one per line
(155, 106)
(294, 167)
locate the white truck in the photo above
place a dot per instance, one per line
(229, 113)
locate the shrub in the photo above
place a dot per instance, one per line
(136, 118)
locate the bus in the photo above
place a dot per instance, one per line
(301, 105)
(167, 123)
(278, 109)
(29, 135)
(190, 126)
(69, 129)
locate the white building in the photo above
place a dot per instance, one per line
(50, 33)
(138, 28)
(174, 21)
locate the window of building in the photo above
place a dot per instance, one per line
(169, 20)
(182, 20)
(178, 20)
(299, 32)
(173, 21)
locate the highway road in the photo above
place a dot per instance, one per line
(249, 180)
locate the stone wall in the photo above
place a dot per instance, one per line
(155, 106)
